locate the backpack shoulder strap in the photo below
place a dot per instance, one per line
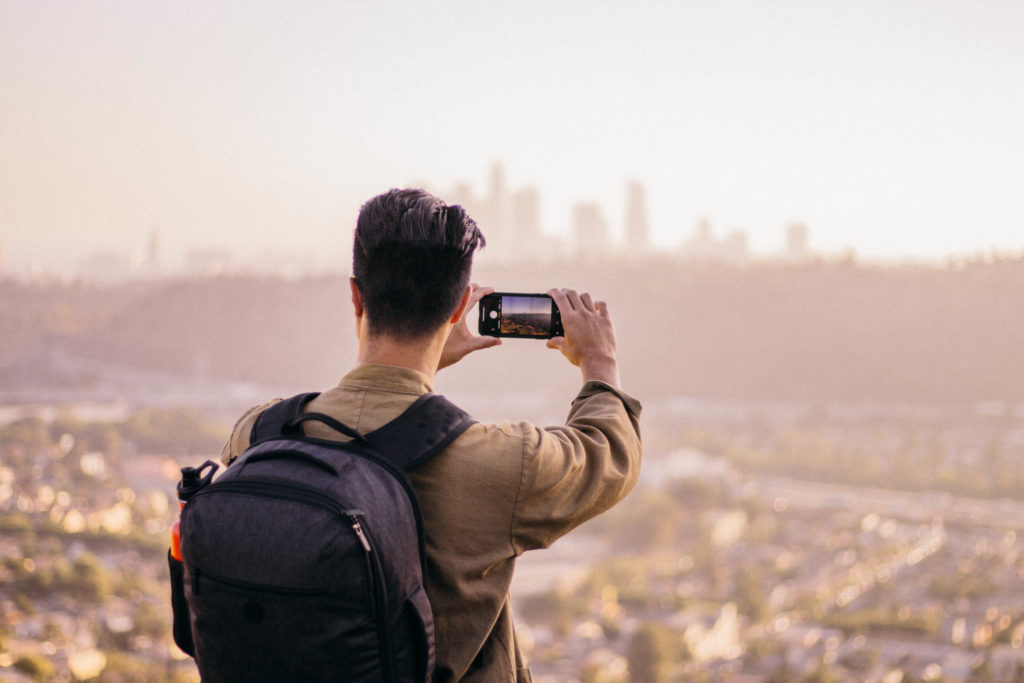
(276, 420)
(425, 429)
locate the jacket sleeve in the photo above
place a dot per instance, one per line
(574, 472)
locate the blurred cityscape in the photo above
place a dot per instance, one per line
(763, 544)
(806, 219)
(832, 486)
(512, 221)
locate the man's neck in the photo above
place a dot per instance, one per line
(421, 354)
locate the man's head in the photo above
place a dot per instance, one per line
(411, 259)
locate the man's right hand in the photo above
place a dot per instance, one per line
(589, 340)
(461, 341)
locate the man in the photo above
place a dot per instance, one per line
(498, 489)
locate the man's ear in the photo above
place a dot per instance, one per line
(463, 305)
(357, 297)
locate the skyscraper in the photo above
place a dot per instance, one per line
(152, 261)
(526, 229)
(589, 231)
(797, 242)
(498, 214)
(638, 228)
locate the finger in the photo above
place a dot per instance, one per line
(574, 299)
(559, 296)
(556, 343)
(478, 293)
(588, 302)
(602, 307)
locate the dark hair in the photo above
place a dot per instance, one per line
(411, 258)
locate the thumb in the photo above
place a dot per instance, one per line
(483, 342)
(556, 343)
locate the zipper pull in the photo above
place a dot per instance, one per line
(358, 528)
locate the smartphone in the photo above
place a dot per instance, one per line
(527, 316)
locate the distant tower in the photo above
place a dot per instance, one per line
(638, 228)
(702, 245)
(525, 233)
(702, 235)
(736, 247)
(589, 230)
(499, 218)
(797, 242)
(153, 254)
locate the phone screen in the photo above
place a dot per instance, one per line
(527, 316)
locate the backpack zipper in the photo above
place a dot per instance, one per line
(380, 600)
(375, 574)
(358, 528)
(276, 489)
(250, 585)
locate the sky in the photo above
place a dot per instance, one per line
(890, 127)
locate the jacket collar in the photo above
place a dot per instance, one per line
(387, 378)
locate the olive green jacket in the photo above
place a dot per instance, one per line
(498, 490)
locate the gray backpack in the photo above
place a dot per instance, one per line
(305, 560)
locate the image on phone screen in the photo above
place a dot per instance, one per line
(527, 316)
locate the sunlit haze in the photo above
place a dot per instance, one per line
(250, 127)
(805, 221)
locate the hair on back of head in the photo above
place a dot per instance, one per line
(415, 217)
(411, 258)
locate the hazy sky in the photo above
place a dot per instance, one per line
(894, 127)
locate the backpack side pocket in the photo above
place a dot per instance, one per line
(182, 621)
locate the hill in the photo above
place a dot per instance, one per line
(816, 331)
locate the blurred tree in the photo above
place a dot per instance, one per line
(648, 519)
(151, 621)
(750, 594)
(179, 430)
(782, 674)
(982, 673)
(821, 674)
(90, 580)
(31, 431)
(698, 494)
(35, 665)
(554, 608)
(651, 654)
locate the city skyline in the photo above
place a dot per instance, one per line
(889, 129)
(512, 221)
(515, 228)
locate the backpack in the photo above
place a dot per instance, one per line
(304, 560)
